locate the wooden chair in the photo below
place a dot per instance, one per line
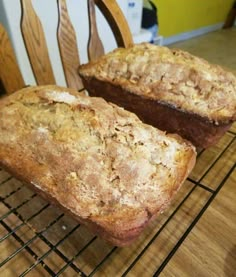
(230, 19)
(37, 50)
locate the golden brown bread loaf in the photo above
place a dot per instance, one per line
(167, 88)
(98, 161)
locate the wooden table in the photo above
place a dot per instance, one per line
(196, 236)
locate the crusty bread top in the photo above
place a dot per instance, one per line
(95, 158)
(170, 76)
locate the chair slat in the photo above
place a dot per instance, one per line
(35, 44)
(95, 46)
(68, 47)
(117, 22)
(10, 74)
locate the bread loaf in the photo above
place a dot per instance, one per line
(167, 88)
(97, 161)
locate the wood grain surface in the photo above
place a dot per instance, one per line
(95, 46)
(68, 47)
(210, 249)
(36, 45)
(37, 48)
(195, 236)
(117, 22)
(8, 64)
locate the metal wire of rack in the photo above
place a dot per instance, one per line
(37, 239)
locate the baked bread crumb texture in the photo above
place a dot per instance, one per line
(96, 159)
(170, 76)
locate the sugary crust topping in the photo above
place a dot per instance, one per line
(96, 156)
(170, 76)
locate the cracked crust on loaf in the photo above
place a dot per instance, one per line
(168, 89)
(99, 162)
(170, 76)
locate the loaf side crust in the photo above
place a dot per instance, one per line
(202, 132)
(99, 162)
(169, 76)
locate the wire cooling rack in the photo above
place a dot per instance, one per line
(37, 239)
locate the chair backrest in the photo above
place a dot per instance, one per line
(37, 49)
(10, 75)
